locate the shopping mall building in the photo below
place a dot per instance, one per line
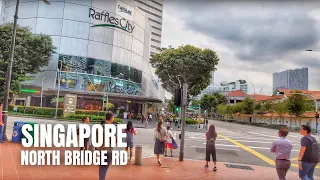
(103, 50)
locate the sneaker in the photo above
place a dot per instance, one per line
(215, 169)
(206, 166)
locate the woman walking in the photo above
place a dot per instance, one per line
(130, 131)
(211, 136)
(160, 139)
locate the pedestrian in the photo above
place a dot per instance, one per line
(282, 147)
(130, 131)
(1, 125)
(308, 155)
(160, 139)
(85, 120)
(168, 143)
(211, 136)
(150, 117)
(206, 124)
(104, 168)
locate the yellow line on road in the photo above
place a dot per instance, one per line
(293, 159)
(259, 155)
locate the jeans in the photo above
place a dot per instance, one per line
(1, 133)
(307, 171)
(282, 167)
(104, 168)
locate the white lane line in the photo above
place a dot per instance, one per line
(263, 148)
(263, 135)
(216, 148)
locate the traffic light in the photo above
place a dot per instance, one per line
(279, 93)
(177, 109)
(177, 97)
(317, 115)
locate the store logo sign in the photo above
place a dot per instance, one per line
(110, 21)
(124, 9)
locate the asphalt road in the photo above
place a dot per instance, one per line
(241, 144)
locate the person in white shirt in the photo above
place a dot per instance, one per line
(168, 143)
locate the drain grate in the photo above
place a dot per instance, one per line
(239, 167)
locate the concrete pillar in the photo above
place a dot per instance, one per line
(28, 100)
(138, 155)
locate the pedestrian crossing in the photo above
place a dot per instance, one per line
(257, 141)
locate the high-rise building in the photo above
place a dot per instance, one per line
(154, 11)
(291, 79)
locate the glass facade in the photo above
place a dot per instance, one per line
(88, 74)
(93, 58)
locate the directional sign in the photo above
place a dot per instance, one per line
(28, 90)
(193, 107)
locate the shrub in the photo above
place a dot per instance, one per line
(89, 112)
(43, 111)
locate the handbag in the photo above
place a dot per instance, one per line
(174, 144)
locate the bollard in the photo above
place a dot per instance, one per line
(138, 155)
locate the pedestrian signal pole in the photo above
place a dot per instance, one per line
(183, 122)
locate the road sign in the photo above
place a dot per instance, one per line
(193, 107)
(28, 90)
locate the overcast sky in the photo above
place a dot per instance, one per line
(253, 39)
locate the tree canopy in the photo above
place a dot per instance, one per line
(32, 52)
(297, 104)
(186, 64)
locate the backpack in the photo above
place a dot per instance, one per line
(315, 151)
(211, 141)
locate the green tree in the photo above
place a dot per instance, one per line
(222, 109)
(269, 107)
(238, 108)
(248, 106)
(209, 102)
(297, 104)
(281, 108)
(108, 106)
(220, 98)
(32, 52)
(258, 107)
(171, 106)
(60, 101)
(195, 102)
(186, 64)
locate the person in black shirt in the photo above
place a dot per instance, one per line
(306, 161)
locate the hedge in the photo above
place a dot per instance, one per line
(95, 116)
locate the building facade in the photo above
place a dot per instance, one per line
(103, 50)
(291, 79)
(224, 87)
(153, 10)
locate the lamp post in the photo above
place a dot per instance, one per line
(58, 93)
(254, 99)
(41, 93)
(9, 69)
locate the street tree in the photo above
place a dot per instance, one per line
(281, 108)
(195, 102)
(209, 102)
(32, 52)
(248, 106)
(222, 109)
(297, 104)
(185, 64)
(238, 108)
(171, 106)
(269, 107)
(220, 98)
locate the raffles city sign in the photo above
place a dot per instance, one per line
(110, 21)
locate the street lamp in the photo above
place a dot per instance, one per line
(9, 70)
(254, 93)
(41, 93)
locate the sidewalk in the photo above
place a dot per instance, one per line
(171, 169)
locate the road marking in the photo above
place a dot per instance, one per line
(216, 148)
(259, 155)
(260, 142)
(263, 135)
(293, 159)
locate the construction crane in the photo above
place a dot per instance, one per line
(261, 90)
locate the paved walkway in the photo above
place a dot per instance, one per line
(171, 169)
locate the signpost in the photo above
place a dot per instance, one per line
(70, 104)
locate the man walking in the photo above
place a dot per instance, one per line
(282, 147)
(309, 154)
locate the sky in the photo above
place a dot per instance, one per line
(253, 39)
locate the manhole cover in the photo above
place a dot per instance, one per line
(239, 167)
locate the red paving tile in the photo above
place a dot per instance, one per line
(171, 169)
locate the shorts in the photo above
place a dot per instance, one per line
(168, 145)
